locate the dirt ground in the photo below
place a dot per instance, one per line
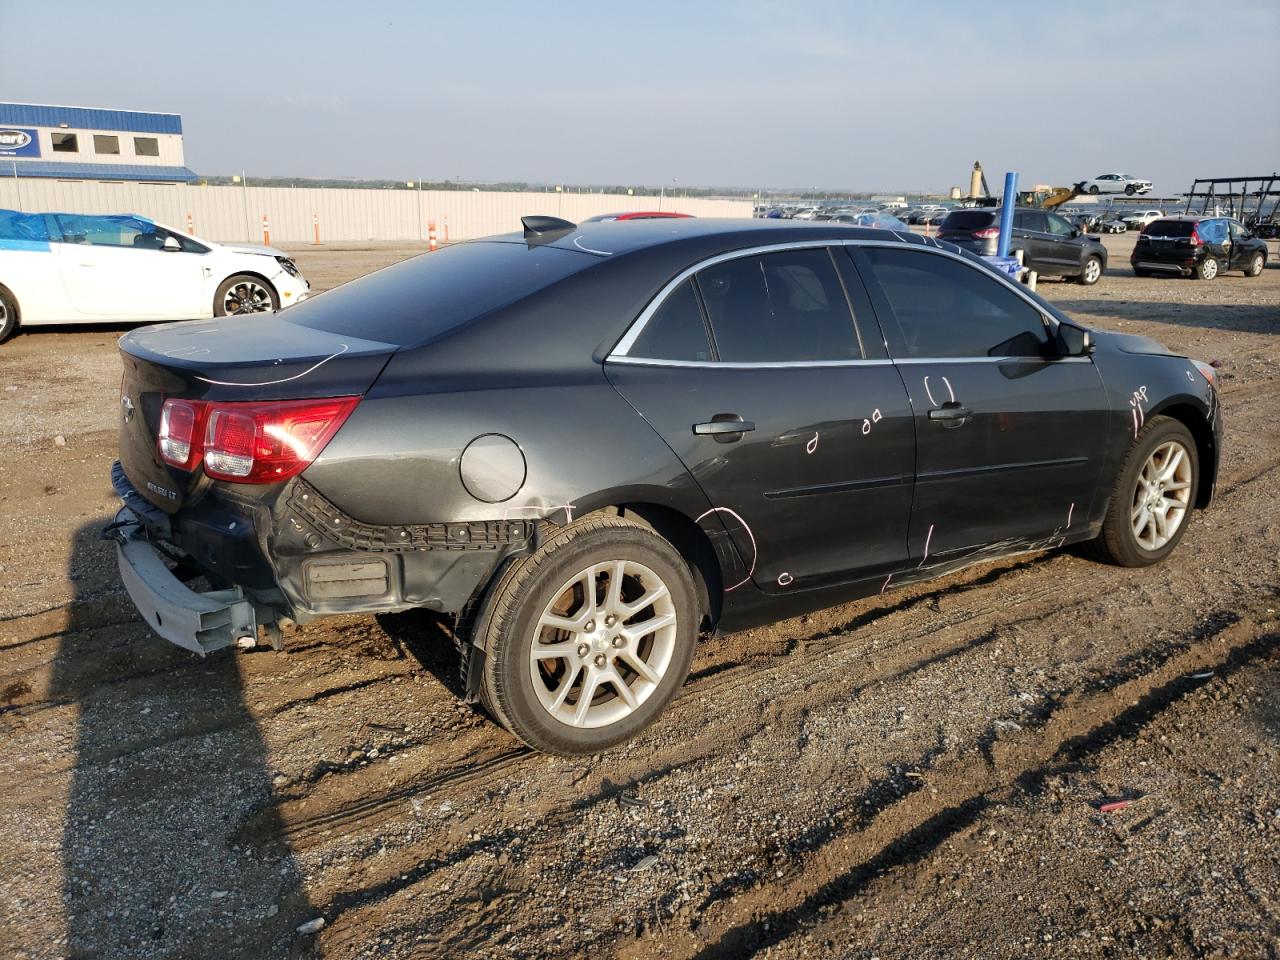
(917, 775)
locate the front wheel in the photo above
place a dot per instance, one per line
(1253, 270)
(1094, 189)
(1151, 503)
(1091, 272)
(586, 641)
(245, 293)
(1206, 269)
(8, 316)
(1130, 189)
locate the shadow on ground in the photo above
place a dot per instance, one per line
(168, 761)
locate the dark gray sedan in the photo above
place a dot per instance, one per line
(590, 446)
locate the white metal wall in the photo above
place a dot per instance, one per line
(235, 213)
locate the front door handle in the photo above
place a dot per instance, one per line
(724, 427)
(951, 413)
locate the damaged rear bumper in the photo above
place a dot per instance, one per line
(200, 622)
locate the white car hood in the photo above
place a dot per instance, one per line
(252, 248)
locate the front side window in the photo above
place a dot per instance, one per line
(1238, 232)
(783, 307)
(676, 331)
(946, 308)
(65, 143)
(106, 144)
(146, 147)
(110, 231)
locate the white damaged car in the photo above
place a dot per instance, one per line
(80, 268)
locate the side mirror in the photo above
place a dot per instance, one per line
(1074, 341)
(1075, 232)
(171, 244)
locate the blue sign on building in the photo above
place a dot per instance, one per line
(18, 142)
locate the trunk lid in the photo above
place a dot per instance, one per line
(227, 358)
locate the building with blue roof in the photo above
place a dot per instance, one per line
(85, 143)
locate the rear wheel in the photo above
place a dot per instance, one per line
(1206, 269)
(586, 641)
(1091, 271)
(245, 293)
(1254, 269)
(8, 316)
(1152, 500)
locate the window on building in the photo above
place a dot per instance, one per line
(66, 143)
(106, 144)
(146, 147)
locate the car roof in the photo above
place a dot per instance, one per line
(611, 237)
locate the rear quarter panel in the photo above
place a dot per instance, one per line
(30, 272)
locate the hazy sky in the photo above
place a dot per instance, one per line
(871, 96)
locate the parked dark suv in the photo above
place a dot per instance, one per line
(1050, 244)
(1199, 247)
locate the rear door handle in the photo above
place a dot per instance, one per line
(724, 427)
(951, 413)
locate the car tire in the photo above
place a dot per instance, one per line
(1091, 272)
(256, 295)
(535, 691)
(1126, 539)
(1206, 269)
(8, 316)
(1141, 273)
(1253, 270)
(1130, 190)
(1094, 189)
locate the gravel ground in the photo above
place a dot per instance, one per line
(914, 775)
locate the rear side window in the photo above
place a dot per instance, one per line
(781, 307)
(945, 308)
(969, 220)
(417, 300)
(1031, 220)
(1213, 231)
(676, 331)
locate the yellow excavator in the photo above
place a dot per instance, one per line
(1041, 195)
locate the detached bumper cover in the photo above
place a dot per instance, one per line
(200, 622)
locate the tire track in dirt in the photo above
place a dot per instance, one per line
(1081, 723)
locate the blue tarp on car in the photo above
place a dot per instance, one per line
(23, 231)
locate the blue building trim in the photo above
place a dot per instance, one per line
(88, 118)
(95, 171)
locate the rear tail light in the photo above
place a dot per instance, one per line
(180, 424)
(250, 442)
(1194, 239)
(987, 233)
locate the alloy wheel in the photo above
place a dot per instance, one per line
(1162, 495)
(603, 643)
(1209, 269)
(247, 296)
(1092, 270)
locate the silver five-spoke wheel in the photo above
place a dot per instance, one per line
(246, 296)
(603, 644)
(1162, 495)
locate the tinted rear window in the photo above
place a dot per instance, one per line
(419, 299)
(1170, 228)
(968, 220)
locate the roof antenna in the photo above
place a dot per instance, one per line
(541, 227)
